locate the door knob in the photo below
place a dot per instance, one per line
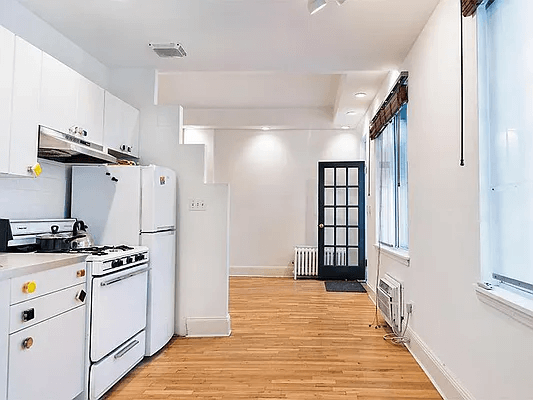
(321, 226)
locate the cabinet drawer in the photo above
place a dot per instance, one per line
(45, 282)
(52, 368)
(107, 372)
(43, 308)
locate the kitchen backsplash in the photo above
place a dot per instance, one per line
(42, 197)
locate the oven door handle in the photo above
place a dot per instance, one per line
(126, 349)
(123, 277)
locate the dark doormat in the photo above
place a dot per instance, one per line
(344, 286)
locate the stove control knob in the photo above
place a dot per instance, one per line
(29, 287)
(129, 260)
(139, 257)
(116, 263)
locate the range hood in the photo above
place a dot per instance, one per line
(62, 147)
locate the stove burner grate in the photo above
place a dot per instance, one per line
(103, 250)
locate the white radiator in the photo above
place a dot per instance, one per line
(305, 261)
(390, 302)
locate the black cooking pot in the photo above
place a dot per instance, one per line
(55, 242)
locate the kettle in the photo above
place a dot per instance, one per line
(81, 239)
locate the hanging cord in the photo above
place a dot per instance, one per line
(399, 339)
(375, 323)
(462, 162)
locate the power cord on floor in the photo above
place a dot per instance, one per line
(399, 339)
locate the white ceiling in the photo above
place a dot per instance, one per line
(242, 35)
(250, 53)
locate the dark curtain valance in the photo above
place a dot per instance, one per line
(392, 104)
(469, 7)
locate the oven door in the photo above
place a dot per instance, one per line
(118, 309)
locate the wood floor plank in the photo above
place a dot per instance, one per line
(290, 340)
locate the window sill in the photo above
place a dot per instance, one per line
(401, 256)
(515, 305)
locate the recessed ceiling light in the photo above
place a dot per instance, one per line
(360, 94)
(345, 127)
(351, 112)
(265, 128)
(315, 5)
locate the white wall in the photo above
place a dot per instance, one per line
(486, 354)
(273, 179)
(207, 138)
(42, 197)
(203, 247)
(27, 25)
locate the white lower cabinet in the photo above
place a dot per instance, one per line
(46, 360)
(43, 335)
(4, 338)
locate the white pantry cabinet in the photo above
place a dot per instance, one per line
(68, 99)
(25, 108)
(121, 126)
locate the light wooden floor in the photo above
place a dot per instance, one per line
(291, 340)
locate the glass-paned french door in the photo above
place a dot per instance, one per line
(341, 220)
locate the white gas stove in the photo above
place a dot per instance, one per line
(104, 260)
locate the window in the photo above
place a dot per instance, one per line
(392, 201)
(506, 139)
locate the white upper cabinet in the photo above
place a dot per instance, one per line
(69, 100)
(131, 129)
(7, 59)
(90, 113)
(59, 95)
(25, 111)
(121, 126)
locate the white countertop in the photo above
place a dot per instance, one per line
(18, 264)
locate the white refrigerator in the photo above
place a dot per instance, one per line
(135, 205)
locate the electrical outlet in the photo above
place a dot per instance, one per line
(197, 205)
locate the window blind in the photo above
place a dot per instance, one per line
(390, 107)
(469, 7)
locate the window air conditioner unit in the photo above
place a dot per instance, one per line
(390, 302)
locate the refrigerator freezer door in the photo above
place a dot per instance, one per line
(158, 199)
(161, 289)
(108, 200)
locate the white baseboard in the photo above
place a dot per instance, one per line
(261, 271)
(444, 381)
(208, 327)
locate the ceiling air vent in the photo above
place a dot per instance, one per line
(168, 50)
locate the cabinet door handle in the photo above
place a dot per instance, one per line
(27, 343)
(28, 315)
(126, 349)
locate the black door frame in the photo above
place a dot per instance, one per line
(342, 272)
